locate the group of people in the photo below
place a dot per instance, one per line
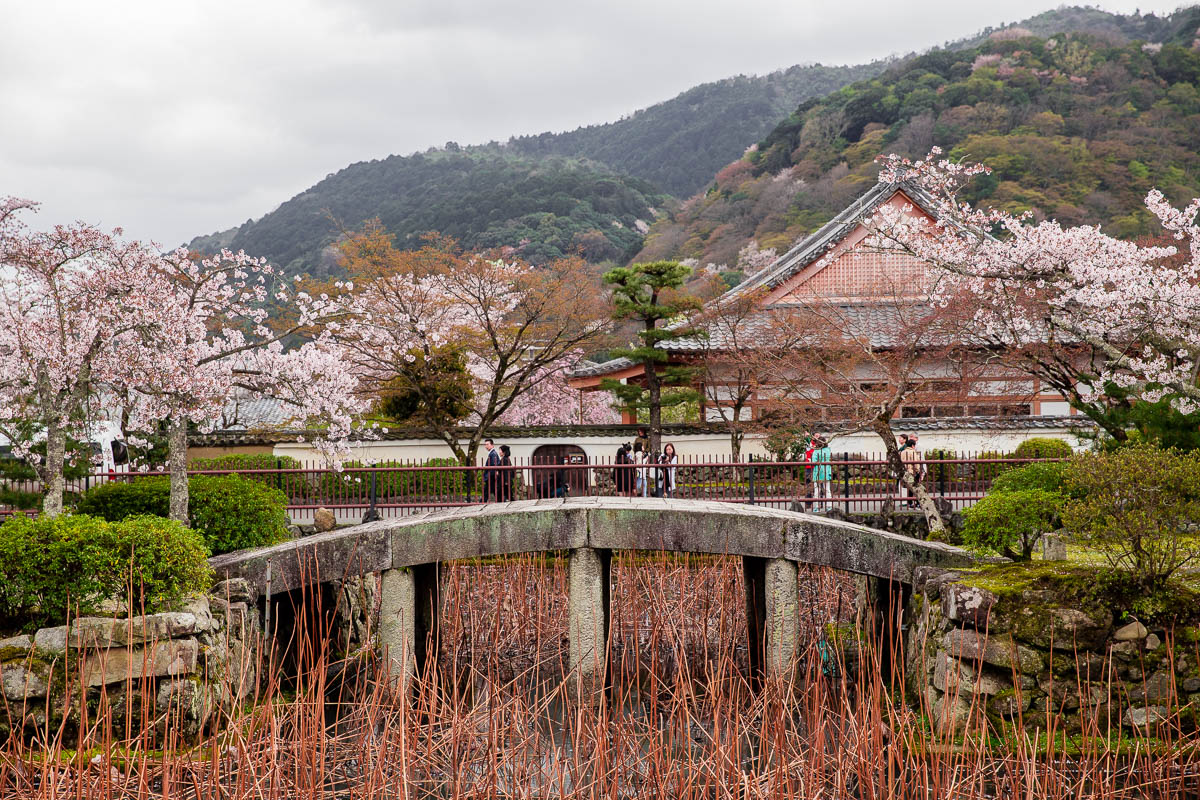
(636, 466)
(498, 482)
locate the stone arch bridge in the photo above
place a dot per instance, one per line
(407, 550)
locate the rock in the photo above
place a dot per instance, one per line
(951, 713)
(1053, 548)
(1141, 717)
(1067, 629)
(954, 677)
(1153, 642)
(176, 657)
(234, 590)
(1069, 694)
(185, 706)
(51, 641)
(1191, 685)
(102, 632)
(1125, 651)
(20, 683)
(998, 650)
(15, 647)
(1130, 632)
(1158, 688)
(1010, 703)
(323, 520)
(968, 605)
(924, 575)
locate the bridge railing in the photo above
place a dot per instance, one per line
(857, 483)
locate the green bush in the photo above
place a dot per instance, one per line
(296, 485)
(1010, 523)
(1048, 476)
(24, 501)
(940, 472)
(394, 485)
(1043, 447)
(55, 567)
(990, 471)
(1140, 507)
(230, 512)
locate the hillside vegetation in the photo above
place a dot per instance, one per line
(679, 144)
(1076, 127)
(484, 198)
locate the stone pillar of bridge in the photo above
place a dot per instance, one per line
(772, 616)
(408, 621)
(588, 582)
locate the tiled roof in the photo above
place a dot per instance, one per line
(805, 252)
(228, 438)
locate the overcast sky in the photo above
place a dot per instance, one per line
(173, 118)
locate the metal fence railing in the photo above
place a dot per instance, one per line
(857, 483)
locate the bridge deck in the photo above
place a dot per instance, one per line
(610, 523)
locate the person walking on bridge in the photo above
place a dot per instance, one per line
(822, 459)
(491, 472)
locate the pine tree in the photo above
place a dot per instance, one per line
(651, 295)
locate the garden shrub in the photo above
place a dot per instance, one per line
(396, 486)
(1049, 476)
(70, 565)
(990, 471)
(296, 485)
(230, 512)
(940, 472)
(1140, 507)
(1043, 447)
(1010, 523)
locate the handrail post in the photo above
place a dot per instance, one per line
(750, 472)
(846, 480)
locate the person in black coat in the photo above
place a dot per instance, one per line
(491, 473)
(507, 475)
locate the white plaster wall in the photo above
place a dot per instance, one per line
(695, 447)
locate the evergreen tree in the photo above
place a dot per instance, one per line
(651, 295)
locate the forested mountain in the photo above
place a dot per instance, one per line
(1076, 127)
(482, 197)
(679, 144)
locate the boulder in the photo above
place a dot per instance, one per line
(234, 590)
(51, 641)
(1158, 688)
(1009, 703)
(951, 713)
(15, 647)
(1054, 548)
(21, 683)
(323, 520)
(967, 605)
(184, 706)
(1067, 629)
(1128, 633)
(1141, 717)
(1153, 642)
(998, 650)
(103, 632)
(176, 657)
(955, 677)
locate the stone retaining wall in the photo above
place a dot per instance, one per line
(973, 654)
(190, 662)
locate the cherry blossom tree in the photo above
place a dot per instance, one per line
(78, 307)
(512, 326)
(1083, 312)
(552, 402)
(235, 346)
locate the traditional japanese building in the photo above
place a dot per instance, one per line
(837, 267)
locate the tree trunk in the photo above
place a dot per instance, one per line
(735, 444)
(177, 453)
(56, 448)
(937, 526)
(654, 392)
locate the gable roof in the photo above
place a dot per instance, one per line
(804, 253)
(817, 244)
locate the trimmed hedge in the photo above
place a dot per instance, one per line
(70, 565)
(230, 512)
(991, 471)
(1043, 447)
(295, 485)
(1048, 476)
(395, 485)
(1010, 523)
